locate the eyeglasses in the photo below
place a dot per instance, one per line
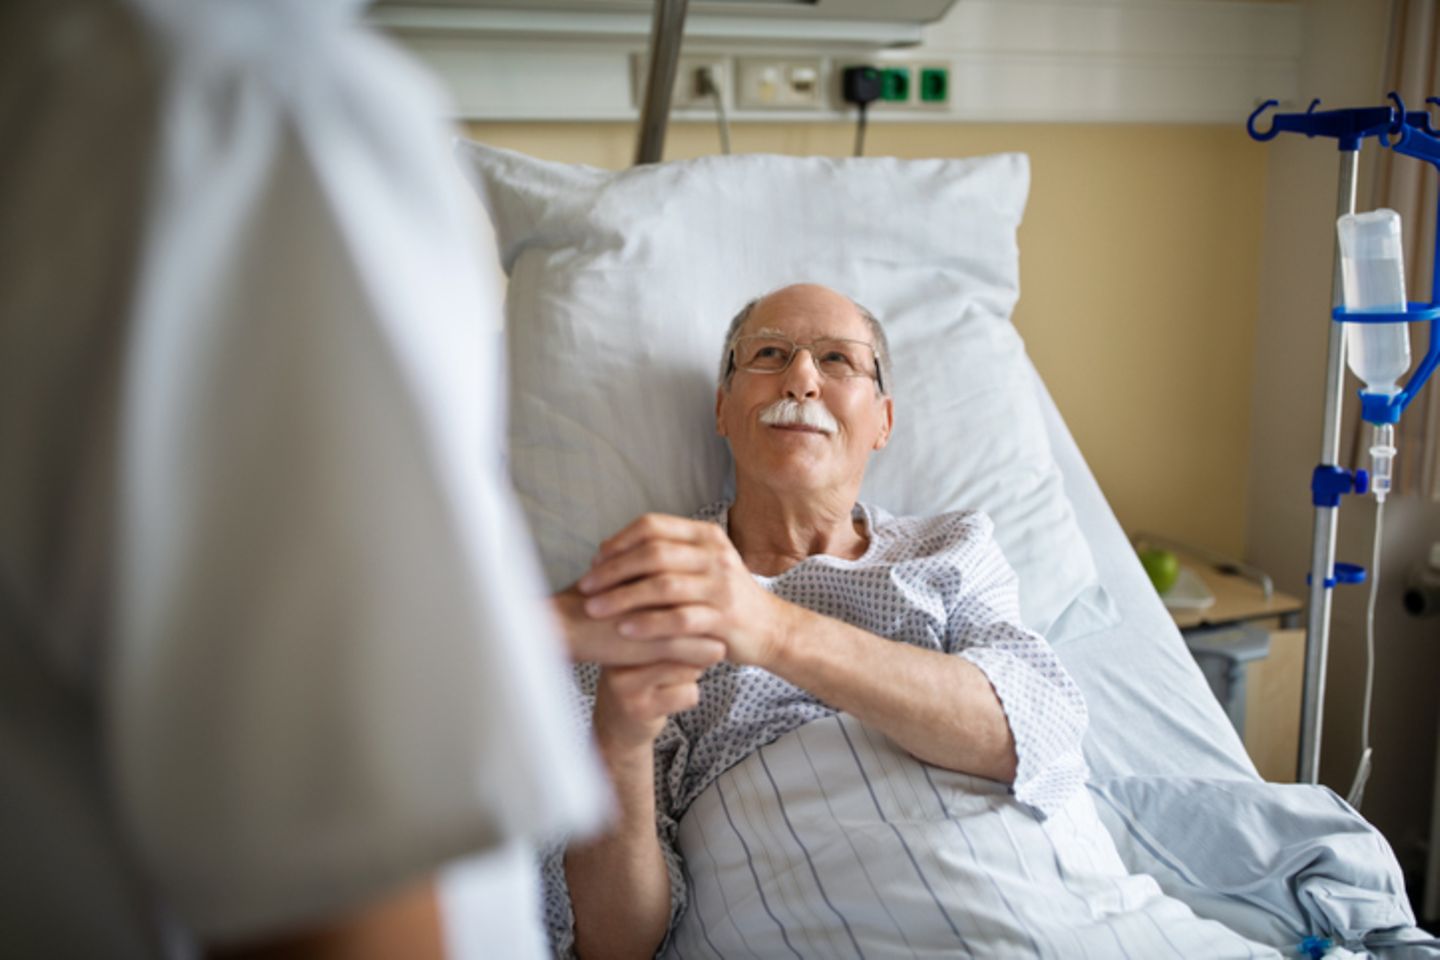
(835, 358)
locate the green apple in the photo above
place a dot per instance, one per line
(1162, 566)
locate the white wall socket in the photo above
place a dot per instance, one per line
(791, 83)
(687, 92)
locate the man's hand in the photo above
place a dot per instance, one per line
(595, 640)
(665, 577)
(631, 704)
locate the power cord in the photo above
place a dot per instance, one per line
(860, 86)
(709, 85)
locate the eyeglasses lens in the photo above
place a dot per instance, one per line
(835, 358)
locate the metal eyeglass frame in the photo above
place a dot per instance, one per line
(795, 346)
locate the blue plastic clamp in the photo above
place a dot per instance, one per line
(1344, 573)
(1315, 947)
(1349, 573)
(1328, 484)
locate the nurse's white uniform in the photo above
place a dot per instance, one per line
(271, 638)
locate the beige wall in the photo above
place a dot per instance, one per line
(1139, 274)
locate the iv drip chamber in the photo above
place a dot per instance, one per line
(1382, 460)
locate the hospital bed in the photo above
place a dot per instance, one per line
(621, 285)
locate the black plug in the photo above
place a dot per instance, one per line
(860, 85)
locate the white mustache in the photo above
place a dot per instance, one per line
(801, 413)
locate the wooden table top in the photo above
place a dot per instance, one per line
(1236, 599)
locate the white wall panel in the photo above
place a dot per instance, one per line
(1145, 61)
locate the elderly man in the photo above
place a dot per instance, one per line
(910, 625)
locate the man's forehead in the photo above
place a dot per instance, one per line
(789, 315)
(805, 334)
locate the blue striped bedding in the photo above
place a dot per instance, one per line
(834, 842)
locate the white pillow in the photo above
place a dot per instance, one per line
(621, 289)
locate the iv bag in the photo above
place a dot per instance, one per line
(1372, 266)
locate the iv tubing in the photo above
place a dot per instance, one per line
(1356, 796)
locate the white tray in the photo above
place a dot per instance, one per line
(1188, 592)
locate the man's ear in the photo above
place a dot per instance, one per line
(720, 394)
(887, 426)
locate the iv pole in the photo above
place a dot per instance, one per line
(1330, 481)
(1322, 541)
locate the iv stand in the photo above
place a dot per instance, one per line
(1330, 482)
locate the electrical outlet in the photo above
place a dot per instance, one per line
(905, 86)
(689, 92)
(932, 85)
(895, 84)
(791, 83)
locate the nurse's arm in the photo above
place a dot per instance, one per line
(406, 925)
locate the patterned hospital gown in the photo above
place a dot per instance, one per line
(935, 582)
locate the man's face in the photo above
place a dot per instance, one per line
(798, 458)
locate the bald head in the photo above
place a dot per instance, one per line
(803, 300)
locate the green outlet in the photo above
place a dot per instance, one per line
(895, 84)
(934, 85)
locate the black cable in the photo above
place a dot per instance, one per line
(708, 85)
(723, 120)
(860, 86)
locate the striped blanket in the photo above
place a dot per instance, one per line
(834, 842)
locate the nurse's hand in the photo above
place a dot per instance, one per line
(595, 640)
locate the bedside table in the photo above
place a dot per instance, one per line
(1254, 660)
(1258, 677)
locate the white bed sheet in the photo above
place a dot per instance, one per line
(1151, 712)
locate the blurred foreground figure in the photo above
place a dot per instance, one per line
(272, 658)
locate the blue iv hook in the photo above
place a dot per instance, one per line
(1349, 127)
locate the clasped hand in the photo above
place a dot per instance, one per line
(664, 598)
